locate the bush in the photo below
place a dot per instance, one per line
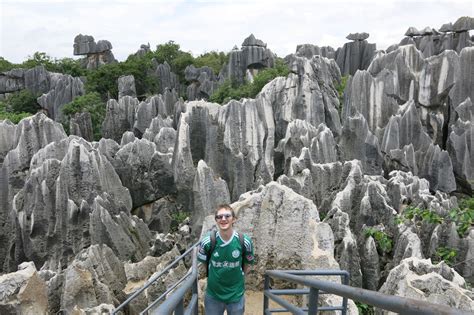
(463, 216)
(5, 65)
(230, 90)
(23, 101)
(214, 60)
(448, 255)
(13, 117)
(91, 103)
(383, 240)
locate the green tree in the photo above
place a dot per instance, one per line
(22, 101)
(13, 117)
(214, 60)
(92, 103)
(5, 65)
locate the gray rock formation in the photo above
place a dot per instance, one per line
(463, 24)
(145, 171)
(95, 276)
(208, 193)
(97, 54)
(144, 49)
(81, 125)
(167, 80)
(460, 145)
(119, 117)
(126, 86)
(358, 36)
(63, 89)
(357, 142)
(418, 279)
(203, 82)
(36, 80)
(355, 55)
(23, 292)
(246, 62)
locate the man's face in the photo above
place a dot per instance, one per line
(224, 219)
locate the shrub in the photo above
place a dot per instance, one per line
(383, 240)
(5, 65)
(23, 101)
(463, 216)
(214, 60)
(177, 218)
(91, 103)
(231, 90)
(13, 117)
(340, 87)
(448, 255)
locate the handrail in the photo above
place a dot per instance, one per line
(387, 302)
(153, 279)
(312, 293)
(174, 302)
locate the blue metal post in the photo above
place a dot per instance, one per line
(313, 301)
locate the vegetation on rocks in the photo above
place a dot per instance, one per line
(462, 216)
(230, 90)
(383, 241)
(92, 103)
(18, 106)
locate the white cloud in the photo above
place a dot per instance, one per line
(201, 25)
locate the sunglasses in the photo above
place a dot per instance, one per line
(221, 216)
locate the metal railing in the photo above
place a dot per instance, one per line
(313, 294)
(176, 301)
(382, 301)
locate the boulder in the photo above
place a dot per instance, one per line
(357, 36)
(412, 31)
(96, 276)
(145, 171)
(463, 24)
(420, 280)
(23, 291)
(167, 80)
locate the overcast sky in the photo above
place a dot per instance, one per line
(199, 26)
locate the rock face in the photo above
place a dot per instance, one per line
(97, 54)
(355, 55)
(126, 86)
(23, 292)
(203, 82)
(244, 63)
(36, 80)
(64, 89)
(95, 276)
(419, 279)
(81, 125)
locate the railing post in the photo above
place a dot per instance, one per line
(313, 301)
(196, 279)
(345, 281)
(266, 287)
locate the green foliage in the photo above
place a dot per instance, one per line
(365, 309)
(175, 57)
(91, 103)
(340, 87)
(231, 90)
(5, 65)
(23, 101)
(177, 218)
(383, 240)
(214, 60)
(447, 254)
(463, 216)
(12, 116)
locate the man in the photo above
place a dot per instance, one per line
(228, 263)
